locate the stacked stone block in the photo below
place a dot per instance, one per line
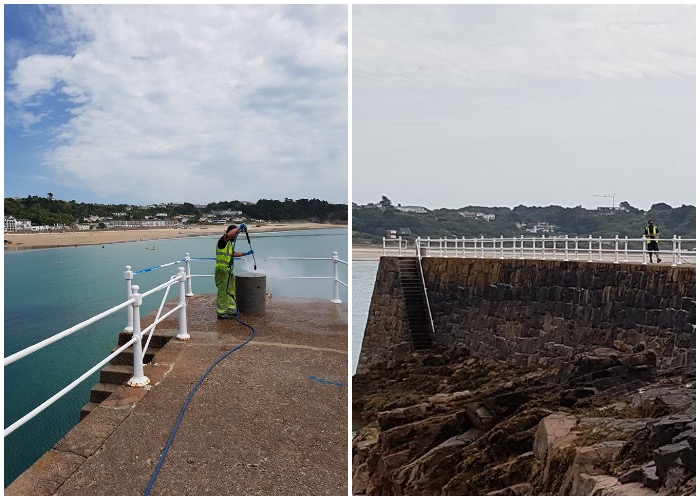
(534, 311)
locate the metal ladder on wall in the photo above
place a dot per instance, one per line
(414, 300)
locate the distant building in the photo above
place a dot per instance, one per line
(413, 209)
(10, 224)
(391, 234)
(542, 227)
(24, 225)
(478, 215)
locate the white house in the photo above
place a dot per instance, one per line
(10, 224)
(413, 209)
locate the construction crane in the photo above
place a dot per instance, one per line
(609, 196)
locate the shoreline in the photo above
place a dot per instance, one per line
(36, 241)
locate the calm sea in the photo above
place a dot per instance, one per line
(363, 276)
(48, 291)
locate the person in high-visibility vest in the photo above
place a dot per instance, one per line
(652, 233)
(223, 271)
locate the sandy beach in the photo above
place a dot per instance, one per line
(20, 241)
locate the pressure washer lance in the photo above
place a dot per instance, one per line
(255, 264)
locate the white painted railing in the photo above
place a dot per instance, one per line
(564, 248)
(334, 259)
(391, 244)
(133, 303)
(425, 289)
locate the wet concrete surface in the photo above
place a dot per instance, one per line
(263, 422)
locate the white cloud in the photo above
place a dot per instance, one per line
(537, 104)
(198, 102)
(453, 45)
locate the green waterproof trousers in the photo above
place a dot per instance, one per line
(224, 302)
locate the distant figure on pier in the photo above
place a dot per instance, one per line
(223, 271)
(652, 233)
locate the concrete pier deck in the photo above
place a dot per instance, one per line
(263, 422)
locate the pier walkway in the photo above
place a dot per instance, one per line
(270, 419)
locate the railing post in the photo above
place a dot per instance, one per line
(644, 250)
(336, 296)
(566, 248)
(522, 247)
(482, 246)
(400, 246)
(544, 244)
(600, 248)
(188, 271)
(139, 379)
(428, 248)
(676, 252)
(383, 246)
(617, 249)
(554, 246)
(182, 313)
(464, 246)
(129, 276)
(626, 242)
(590, 248)
(576, 249)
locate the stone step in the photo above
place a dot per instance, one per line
(116, 374)
(85, 410)
(126, 357)
(102, 391)
(159, 339)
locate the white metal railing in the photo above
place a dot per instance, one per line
(564, 248)
(138, 379)
(334, 259)
(391, 244)
(132, 305)
(425, 289)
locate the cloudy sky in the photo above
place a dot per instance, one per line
(536, 105)
(146, 104)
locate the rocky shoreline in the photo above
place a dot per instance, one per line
(608, 422)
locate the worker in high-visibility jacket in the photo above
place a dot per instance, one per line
(652, 234)
(223, 272)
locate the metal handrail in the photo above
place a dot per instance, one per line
(557, 248)
(138, 379)
(425, 288)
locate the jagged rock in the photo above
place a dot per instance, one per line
(430, 471)
(401, 416)
(589, 462)
(662, 431)
(649, 477)
(671, 455)
(516, 490)
(475, 427)
(629, 489)
(553, 428)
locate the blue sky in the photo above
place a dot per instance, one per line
(502, 105)
(157, 103)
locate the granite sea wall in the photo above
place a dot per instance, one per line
(533, 311)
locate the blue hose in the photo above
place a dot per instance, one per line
(187, 402)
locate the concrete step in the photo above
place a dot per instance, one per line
(102, 391)
(85, 410)
(159, 339)
(126, 357)
(116, 374)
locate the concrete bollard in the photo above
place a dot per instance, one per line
(250, 292)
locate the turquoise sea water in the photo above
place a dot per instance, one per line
(48, 291)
